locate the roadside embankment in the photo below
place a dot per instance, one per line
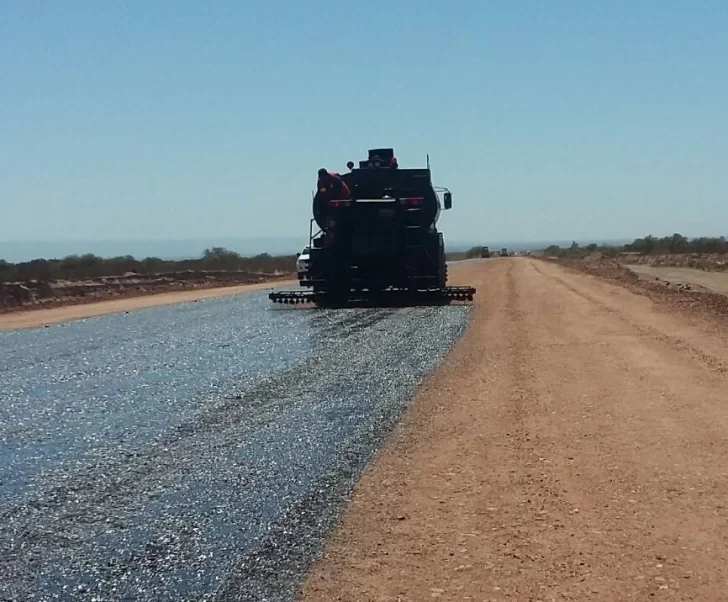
(687, 294)
(103, 302)
(53, 293)
(716, 262)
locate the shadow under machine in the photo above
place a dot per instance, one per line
(381, 245)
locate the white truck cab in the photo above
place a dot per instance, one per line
(302, 264)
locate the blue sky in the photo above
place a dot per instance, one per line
(559, 120)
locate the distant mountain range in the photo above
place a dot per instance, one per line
(17, 251)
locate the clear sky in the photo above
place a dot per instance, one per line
(178, 119)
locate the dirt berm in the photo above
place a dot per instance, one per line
(36, 294)
(573, 446)
(693, 298)
(717, 262)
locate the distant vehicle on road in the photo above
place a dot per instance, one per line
(504, 252)
(485, 253)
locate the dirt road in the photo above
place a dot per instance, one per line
(33, 318)
(574, 446)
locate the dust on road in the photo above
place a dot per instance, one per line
(573, 446)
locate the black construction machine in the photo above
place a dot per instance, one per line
(380, 246)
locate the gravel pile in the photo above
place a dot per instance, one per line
(196, 452)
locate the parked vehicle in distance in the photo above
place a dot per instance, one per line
(302, 265)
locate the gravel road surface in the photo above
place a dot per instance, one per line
(573, 446)
(196, 451)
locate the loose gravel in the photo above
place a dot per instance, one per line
(199, 451)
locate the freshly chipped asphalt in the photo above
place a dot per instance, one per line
(199, 451)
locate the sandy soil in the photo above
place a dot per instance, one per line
(712, 281)
(33, 318)
(572, 447)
